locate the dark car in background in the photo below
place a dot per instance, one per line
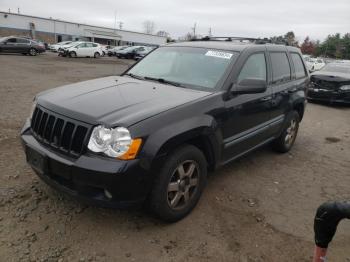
(142, 52)
(129, 52)
(13, 44)
(331, 84)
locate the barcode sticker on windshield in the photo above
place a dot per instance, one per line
(219, 54)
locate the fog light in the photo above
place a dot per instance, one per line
(108, 194)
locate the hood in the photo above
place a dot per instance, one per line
(115, 100)
(331, 76)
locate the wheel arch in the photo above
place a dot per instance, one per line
(201, 132)
(300, 108)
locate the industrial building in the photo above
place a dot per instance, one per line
(51, 30)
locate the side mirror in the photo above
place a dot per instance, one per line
(249, 86)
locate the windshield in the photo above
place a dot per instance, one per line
(337, 68)
(190, 67)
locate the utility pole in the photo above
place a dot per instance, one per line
(115, 20)
(209, 33)
(194, 30)
(18, 10)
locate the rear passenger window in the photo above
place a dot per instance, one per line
(254, 67)
(280, 67)
(298, 65)
(22, 41)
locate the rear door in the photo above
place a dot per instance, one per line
(248, 115)
(23, 45)
(89, 50)
(283, 85)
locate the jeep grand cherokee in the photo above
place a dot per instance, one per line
(152, 133)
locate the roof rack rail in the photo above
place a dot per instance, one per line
(241, 39)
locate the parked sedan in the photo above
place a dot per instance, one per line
(331, 84)
(85, 49)
(314, 64)
(63, 50)
(113, 51)
(22, 45)
(106, 49)
(142, 52)
(129, 52)
(55, 47)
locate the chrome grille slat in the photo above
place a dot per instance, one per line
(58, 132)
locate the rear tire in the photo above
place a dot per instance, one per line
(289, 133)
(33, 52)
(97, 55)
(179, 184)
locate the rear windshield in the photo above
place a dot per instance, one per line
(188, 66)
(337, 68)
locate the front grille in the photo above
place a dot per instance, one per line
(58, 132)
(329, 85)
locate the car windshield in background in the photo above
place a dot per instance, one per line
(337, 68)
(189, 67)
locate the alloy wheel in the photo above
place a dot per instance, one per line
(291, 132)
(183, 184)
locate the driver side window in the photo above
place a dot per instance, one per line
(12, 40)
(254, 67)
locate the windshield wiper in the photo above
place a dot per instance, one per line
(134, 76)
(164, 81)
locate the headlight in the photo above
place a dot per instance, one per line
(114, 142)
(345, 87)
(32, 109)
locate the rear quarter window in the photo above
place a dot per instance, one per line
(280, 67)
(298, 65)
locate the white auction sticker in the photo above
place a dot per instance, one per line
(219, 54)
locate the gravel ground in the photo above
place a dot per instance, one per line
(259, 208)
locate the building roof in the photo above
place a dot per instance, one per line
(63, 21)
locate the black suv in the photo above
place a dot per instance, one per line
(12, 44)
(154, 132)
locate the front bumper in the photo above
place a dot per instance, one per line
(329, 95)
(89, 176)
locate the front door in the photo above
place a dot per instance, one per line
(248, 115)
(10, 45)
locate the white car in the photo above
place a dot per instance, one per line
(85, 49)
(56, 46)
(106, 48)
(314, 64)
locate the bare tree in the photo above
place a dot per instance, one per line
(149, 27)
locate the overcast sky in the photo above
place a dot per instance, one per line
(253, 18)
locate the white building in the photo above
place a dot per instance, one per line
(54, 30)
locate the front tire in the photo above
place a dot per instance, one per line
(179, 184)
(290, 130)
(72, 54)
(33, 52)
(97, 55)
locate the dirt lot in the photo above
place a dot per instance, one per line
(259, 208)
